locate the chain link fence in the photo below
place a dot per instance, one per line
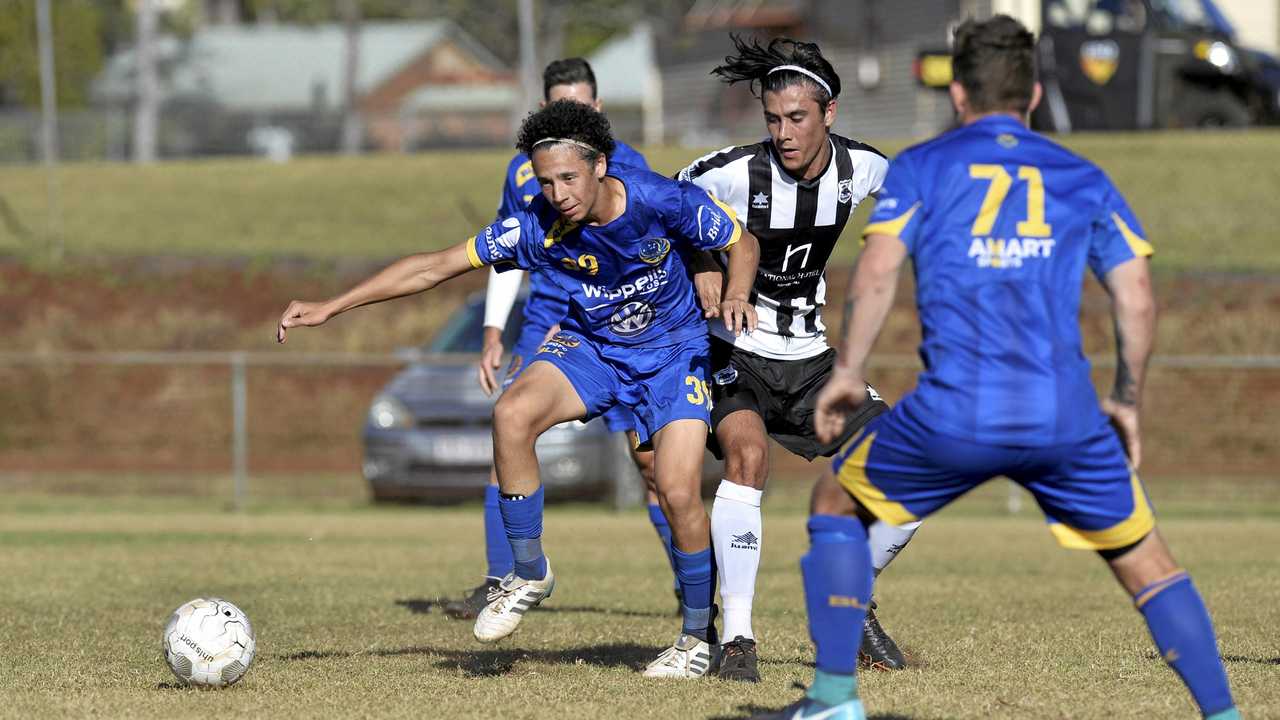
(238, 425)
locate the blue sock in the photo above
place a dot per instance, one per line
(837, 590)
(697, 576)
(523, 521)
(496, 547)
(1183, 632)
(663, 528)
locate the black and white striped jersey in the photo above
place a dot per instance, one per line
(798, 224)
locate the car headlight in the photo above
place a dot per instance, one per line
(387, 412)
(1217, 54)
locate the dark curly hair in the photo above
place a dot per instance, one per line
(569, 120)
(995, 61)
(754, 61)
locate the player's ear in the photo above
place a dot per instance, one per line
(1037, 94)
(602, 166)
(829, 115)
(597, 105)
(959, 98)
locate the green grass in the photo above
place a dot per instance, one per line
(1204, 198)
(999, 622)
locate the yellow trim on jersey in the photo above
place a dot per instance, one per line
(733, 218)
(853, 476)
(1156, 587)
(1140, 522)
(892, 228)
(1140, 247)
(473, 256)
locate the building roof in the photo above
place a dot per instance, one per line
(265, 67)
(621, 65)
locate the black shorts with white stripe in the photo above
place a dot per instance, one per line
(784, 394)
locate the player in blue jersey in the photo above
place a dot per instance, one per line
(566, 79)
(619, 241)
(1000, 224)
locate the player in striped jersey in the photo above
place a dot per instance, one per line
(795, 191)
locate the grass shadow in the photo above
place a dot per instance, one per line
(420, 606)
(495, 662)
(605, 611)
(1251, 660)
(751, 710)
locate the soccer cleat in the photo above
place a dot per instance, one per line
(878, 650)
(690, 657)
(508, 602)
(807, 709)
(738, 660)
(470, 606)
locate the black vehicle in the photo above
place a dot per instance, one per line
(1141, 64)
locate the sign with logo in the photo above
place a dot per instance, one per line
(1099, 60)
(632, 318)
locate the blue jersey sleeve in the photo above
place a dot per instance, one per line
(703, 221)
(1117, 236)
(515, 194)
(512, 242)
(899, 206)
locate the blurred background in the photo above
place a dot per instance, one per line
(173, 172)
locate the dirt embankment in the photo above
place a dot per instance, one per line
(89, 417)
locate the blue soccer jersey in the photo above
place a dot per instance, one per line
(627, 281)
(1000, 223)
(545, 305)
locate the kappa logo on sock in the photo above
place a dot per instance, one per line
(745, 541)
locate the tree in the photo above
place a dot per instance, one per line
(77, 45)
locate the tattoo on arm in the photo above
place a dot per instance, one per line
(1126, 387)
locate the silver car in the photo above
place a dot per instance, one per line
(428, 433)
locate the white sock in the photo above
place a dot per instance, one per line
(887, 541)
(736, 534)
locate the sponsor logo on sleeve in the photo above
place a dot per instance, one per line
(710, 225)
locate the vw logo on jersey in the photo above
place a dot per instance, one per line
(631, 319)
(654, 250)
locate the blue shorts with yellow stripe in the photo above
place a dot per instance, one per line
(653, 386)
(902, 471)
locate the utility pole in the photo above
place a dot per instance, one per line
(352, 132)
(48, 86)
(528, 61)
(146, 115)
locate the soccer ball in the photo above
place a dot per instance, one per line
(208, 643)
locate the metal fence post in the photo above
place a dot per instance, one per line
(239, 428)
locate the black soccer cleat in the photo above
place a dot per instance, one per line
(470, 606)
(878, 650)
(738, 660)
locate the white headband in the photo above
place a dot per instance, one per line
(802, 71)
(571, 141)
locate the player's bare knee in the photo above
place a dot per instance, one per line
(680, 499)
(830, 498)
(512, 420)
(747, 464)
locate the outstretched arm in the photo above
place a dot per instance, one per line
(407, 276)
(1133, 308)
(875, 281)
(499, 298)
(736, 308)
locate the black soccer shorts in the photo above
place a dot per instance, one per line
(784, 394)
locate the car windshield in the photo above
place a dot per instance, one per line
(464, 332)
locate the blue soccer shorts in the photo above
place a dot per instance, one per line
(656, 386)
(902, 471)
(531, 337)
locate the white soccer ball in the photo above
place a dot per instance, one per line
(209, 643)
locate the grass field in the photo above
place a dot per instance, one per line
(1197, 194)
(998, 621)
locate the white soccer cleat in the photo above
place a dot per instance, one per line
(508, 602)
(688, 658)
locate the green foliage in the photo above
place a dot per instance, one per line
(77, 48)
